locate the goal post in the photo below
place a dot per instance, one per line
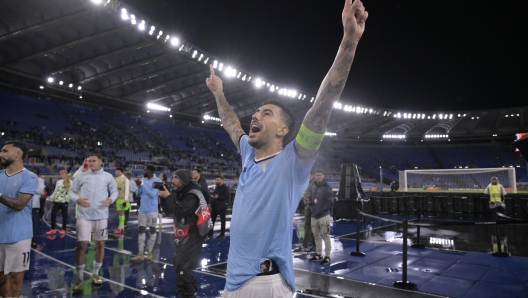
(464, 180)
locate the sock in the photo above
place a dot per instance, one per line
(158, 237)
(96, 267)
(151, 242)
(160, 219)
(121, 221)
(120, 243)
(80, 271)
(141, 242)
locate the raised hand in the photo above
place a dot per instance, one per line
(213, 82)
(354, 17)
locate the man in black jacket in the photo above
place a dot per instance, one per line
(182, 205)
(219, 204)
(197, 176)
(322, 200)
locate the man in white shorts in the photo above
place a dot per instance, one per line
(92, 214)
(148, 211)
(17, 186)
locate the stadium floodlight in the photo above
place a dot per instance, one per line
(141, 25)
(201, 57)
(370, 111)
(313, 98)
(79, 88)
(440, 116)
(170, 116)
(80, 96)
(517, 115)
(239, 74)
(41, 87)
(50, 80)
(434, 116)
(70, 85)
(158, 107)
(215, 64)
(221, 66)
(97, 1)
(175, 41)
(272, 88)
(258, 82)
(207, 59)
(61, 83)
(506, 116)
(133, 19)
(206, 117)
(124, 14)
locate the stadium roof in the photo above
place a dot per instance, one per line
(104, 53)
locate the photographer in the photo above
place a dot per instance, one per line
(148, 210)
(182, 205)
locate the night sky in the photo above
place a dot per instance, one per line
(423, 55)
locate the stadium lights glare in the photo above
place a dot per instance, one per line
(41, 87)
(61, 82)
(207, 117)
(97, 1)
(79, 88)
(215, 64)
(158, 107)
(50, 80)
(221, 66)
(170, 116)
(141, 25)
(436, 136)
(175, 41)
(133, 19)
(80, 96)
(330, 134)
(394, 137)
(207, 59)
(258, 82)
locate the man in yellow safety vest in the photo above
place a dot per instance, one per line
(497, 193)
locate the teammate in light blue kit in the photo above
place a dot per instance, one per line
(17, 187)
(148, 211)
(98, 189)
(276, 173)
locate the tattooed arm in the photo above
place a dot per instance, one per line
(354, 17)
(229, 119)
(17, 204)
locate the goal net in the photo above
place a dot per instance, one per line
(472, 180)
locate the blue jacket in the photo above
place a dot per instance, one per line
(322, 199)
(96, 187)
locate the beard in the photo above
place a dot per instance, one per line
(494, 183)
(218, 184)
(7, 162)
(145, 175)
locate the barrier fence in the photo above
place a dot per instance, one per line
(500, 219)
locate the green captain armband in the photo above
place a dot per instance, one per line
(308, 139)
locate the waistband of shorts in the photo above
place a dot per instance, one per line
(264, 281)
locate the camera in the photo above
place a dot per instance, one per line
(158, 185)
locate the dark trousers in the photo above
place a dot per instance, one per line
(42, 205)
(64, 209)
(185, 260)
(214, 213)
(35, 217)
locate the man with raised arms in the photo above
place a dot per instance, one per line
(276, 173)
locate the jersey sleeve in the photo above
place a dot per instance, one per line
(301, 167)
(29, 185)
(245, 150)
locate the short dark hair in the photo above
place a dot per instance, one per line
(96, 154)
(220, 177)
(287, 118)
(197, 170)
(20, 145)
(319, 171)
(151, 168)
(35, 170)
(120, 169)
